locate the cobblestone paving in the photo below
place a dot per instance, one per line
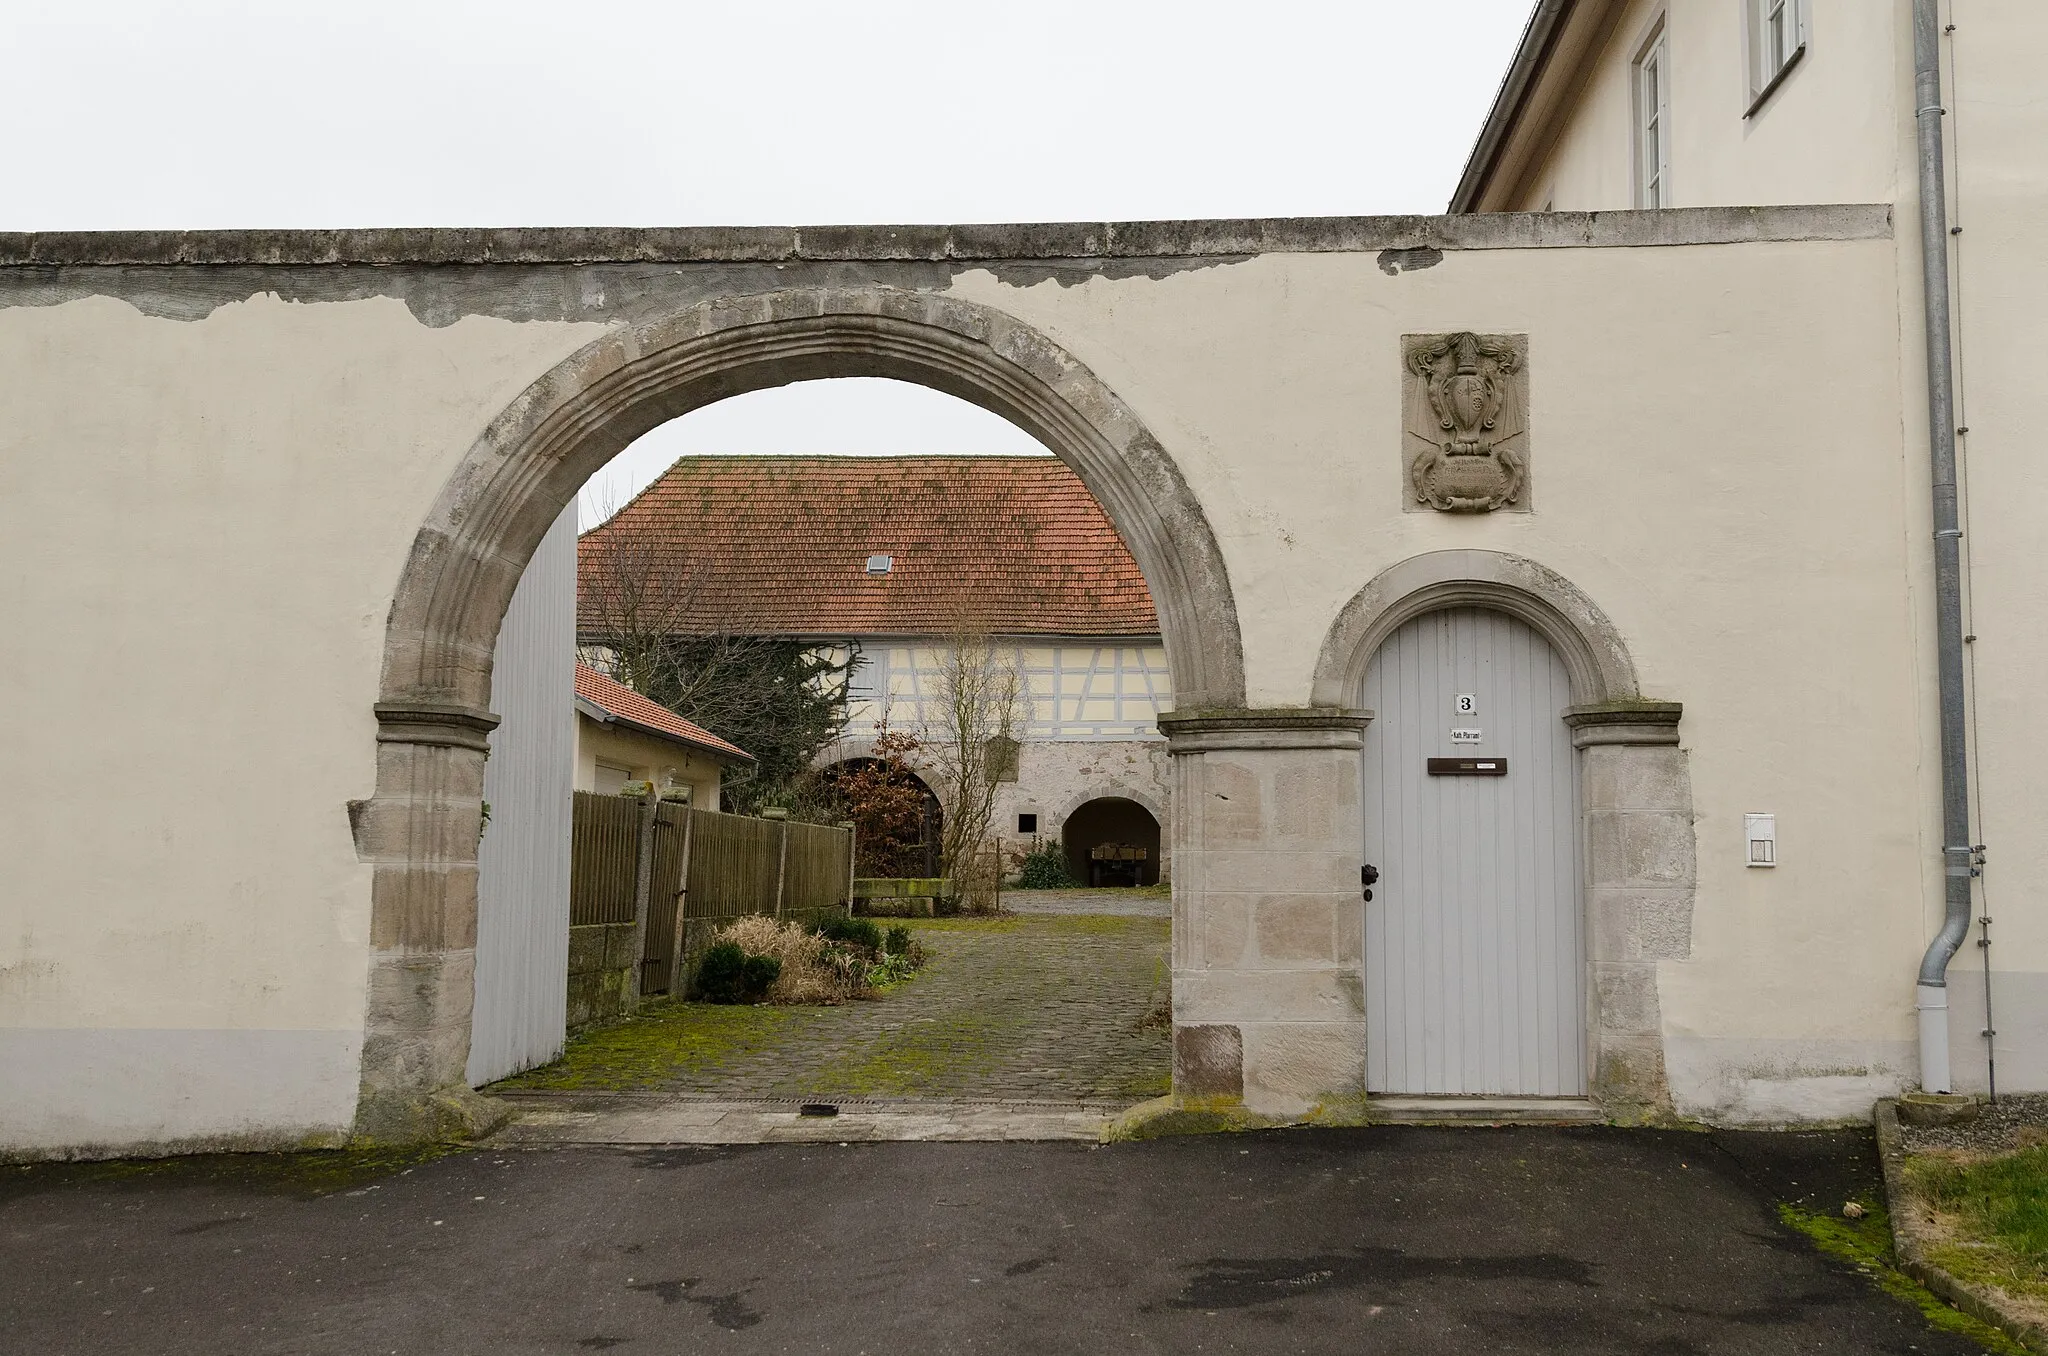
(1121, 903)
(1055, 1009)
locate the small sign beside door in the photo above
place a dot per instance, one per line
(1467, 736)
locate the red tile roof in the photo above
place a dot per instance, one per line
(780, 546)
(623, 703)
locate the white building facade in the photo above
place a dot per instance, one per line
(1623, 515)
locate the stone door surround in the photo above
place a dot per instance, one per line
(419, 830)
(1635, 791)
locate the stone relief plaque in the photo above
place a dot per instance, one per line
(1465, 413)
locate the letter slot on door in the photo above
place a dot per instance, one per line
(1468, 767)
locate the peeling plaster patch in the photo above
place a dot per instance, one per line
(439, 295)
(1071, 272)
(1410, 260)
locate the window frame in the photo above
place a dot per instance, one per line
(1755, 32)
(1653, 56)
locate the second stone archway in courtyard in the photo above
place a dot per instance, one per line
(433, 713)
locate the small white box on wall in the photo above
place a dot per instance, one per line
(1761, 831)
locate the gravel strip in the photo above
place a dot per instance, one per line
(2016, 1122)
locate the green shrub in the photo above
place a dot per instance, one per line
(896, 941)
(758, 976)
(1045, 867)
(890, 970)
(859, 931)
(727, 974)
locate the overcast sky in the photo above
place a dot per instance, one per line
(451, 113)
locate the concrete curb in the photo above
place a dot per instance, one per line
(1910, 1243)
(544, 1121)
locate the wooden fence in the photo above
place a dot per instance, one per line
(704, 870)
(604, 858)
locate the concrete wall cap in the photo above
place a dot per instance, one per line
(967, 244)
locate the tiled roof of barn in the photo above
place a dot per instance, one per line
(780, 546)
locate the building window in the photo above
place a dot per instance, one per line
(1653, 121)
(1777, 38)
(1027, 823)
(866, 679)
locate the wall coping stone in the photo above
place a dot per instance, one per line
(1290, 727)
(968, 243)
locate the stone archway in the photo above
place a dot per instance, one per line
(1636, 831)
(1113, 819)
(419, 830)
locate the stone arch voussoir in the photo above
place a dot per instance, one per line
(419, 830)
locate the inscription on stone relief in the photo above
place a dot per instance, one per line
(1465, 409)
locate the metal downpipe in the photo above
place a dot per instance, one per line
(1932, 994)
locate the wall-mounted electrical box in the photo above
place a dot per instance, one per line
(1761, 831)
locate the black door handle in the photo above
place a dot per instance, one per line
(1368, 876)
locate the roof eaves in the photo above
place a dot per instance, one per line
(1532, 56)
(603, 716)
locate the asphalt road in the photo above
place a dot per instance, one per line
(1396, 1240)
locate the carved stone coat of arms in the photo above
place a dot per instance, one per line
(1465, 406)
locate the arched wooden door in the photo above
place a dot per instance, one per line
(1474, 958)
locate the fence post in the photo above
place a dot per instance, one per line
(643, 886)
(678, 973)
(852, 858)
(781, 816)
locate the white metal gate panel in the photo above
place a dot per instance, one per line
(522, 887)
(1475, 977)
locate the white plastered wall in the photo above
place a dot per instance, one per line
(213, 516)
(204, 523)
(645, 758)
(1997, 128)
(1827, 133)
(1745, 526)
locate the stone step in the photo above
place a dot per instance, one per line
(1484, 1110)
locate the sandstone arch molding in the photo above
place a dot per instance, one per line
(1635, 790)
(1592, 647)
(419, 830)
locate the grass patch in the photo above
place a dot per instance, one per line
(1866, 1244)
(906, 1062)
(662, 1039)
(1995, 1211)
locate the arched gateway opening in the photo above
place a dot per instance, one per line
(433, 713)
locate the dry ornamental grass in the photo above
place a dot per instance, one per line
(813, 970)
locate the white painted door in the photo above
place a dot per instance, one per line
(522, 884)
(1474, 969)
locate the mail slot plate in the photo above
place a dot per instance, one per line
(1468, 767)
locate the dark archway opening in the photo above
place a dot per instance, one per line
(1112, 841)
(894, 835)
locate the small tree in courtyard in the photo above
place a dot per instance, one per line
(972, 745)
(781, 700)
